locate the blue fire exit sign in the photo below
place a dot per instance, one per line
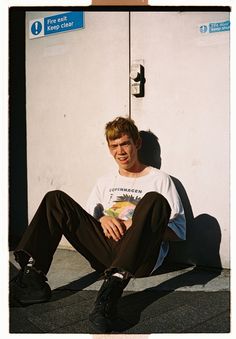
(54, 24)
(215, 27)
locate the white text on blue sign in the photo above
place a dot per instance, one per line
(56, 24)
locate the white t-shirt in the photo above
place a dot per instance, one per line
(117, 195)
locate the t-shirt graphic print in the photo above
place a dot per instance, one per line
(123, 207)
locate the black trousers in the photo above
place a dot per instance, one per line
(58, 214)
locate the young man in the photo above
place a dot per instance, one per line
(129, 217)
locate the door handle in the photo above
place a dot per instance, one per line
(137, 79)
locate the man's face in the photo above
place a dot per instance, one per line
(125, 152)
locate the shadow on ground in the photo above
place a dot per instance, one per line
(133, 305)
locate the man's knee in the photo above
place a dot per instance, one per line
(153, 196)
(52, 196)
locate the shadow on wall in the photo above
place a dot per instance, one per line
(203, 238)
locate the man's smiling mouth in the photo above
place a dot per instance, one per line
(122, 158)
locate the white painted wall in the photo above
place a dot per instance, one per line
(76, 82)
(186, 105)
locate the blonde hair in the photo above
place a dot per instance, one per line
(119, 126)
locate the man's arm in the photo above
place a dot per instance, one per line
(115, 228)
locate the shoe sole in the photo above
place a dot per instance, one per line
(98, 329)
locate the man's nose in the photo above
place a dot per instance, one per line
(120, 149)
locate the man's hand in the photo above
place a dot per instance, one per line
(112, 227)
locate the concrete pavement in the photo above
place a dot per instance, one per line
(176, 300)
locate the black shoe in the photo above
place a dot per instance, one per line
(29, 287)
(105, 310)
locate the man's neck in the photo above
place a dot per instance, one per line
(138, 171)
